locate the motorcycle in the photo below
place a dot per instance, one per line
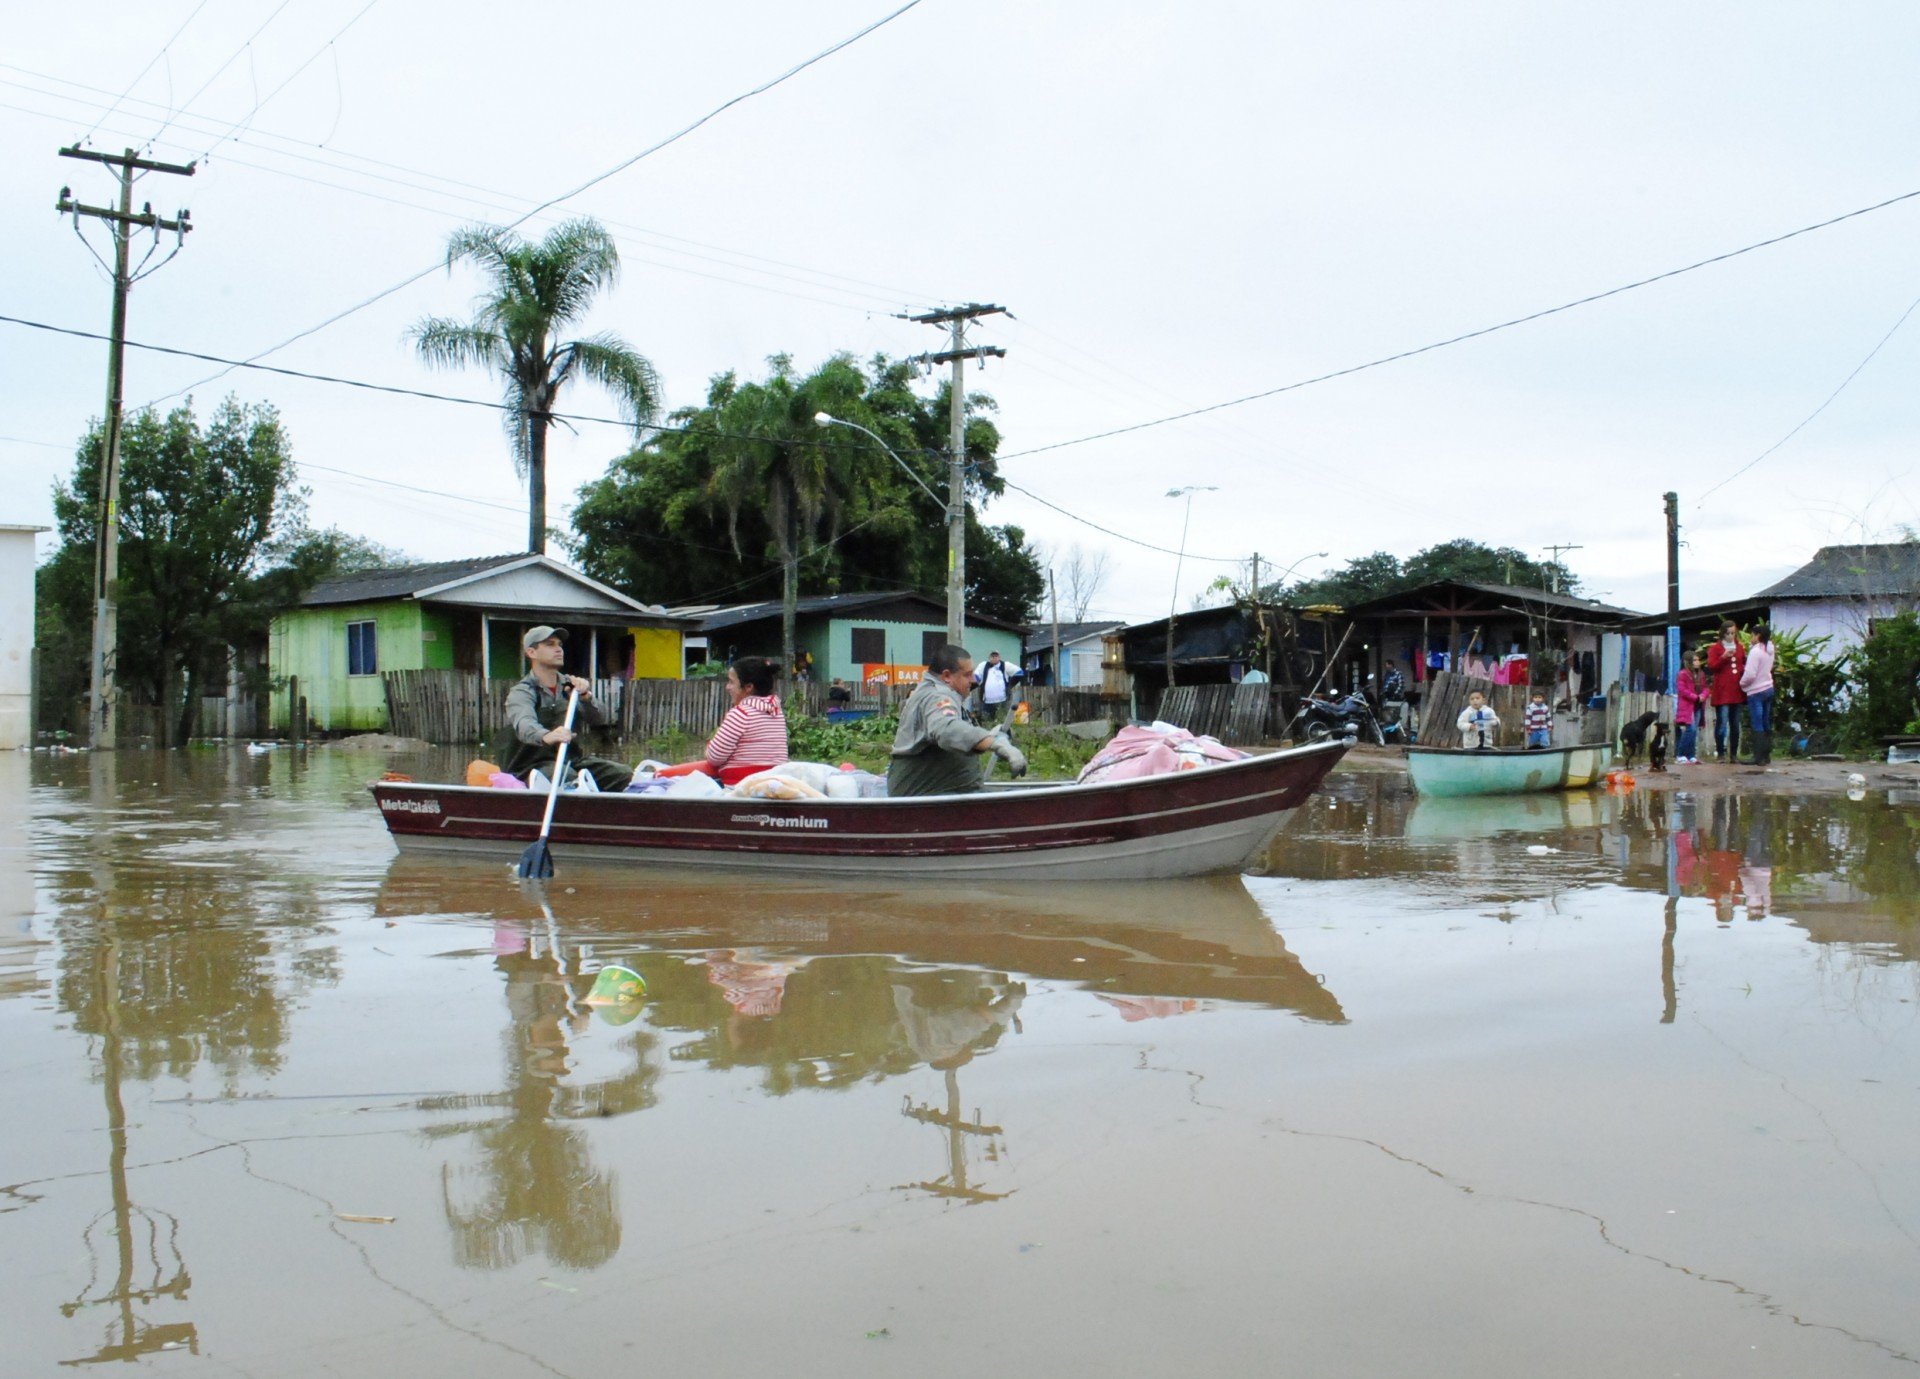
(1322, 716)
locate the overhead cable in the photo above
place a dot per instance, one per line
(550, 202)
(1473, 334)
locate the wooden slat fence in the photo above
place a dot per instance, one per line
(1445, 695)
(1236, 714)
(452, 706)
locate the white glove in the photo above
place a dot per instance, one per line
(1015, 758)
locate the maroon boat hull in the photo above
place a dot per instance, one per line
(1186, 824)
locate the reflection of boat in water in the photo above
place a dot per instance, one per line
(1444, 771)
(1203, 939)
(1479, 816)
(1188, 823)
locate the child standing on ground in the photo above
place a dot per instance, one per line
(1690, 701)
(1477, 723)
(1539, 721)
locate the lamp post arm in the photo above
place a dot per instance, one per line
(924, 487)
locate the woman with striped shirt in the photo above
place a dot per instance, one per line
(753, 735)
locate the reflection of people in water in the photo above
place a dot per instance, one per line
(1756, 867)
(948, 1016)
(752, 986)
(1135, 1008)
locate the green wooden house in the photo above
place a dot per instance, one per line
(848, 635)
(464, 615)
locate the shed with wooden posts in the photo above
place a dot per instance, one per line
(330, 657)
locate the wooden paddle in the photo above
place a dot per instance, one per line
(536, 863)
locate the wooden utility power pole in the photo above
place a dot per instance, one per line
(122, 222)
(955, 319)
(1673, 591)
(1053, 597)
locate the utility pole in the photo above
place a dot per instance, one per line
(957, 354)
(1053, 597)
(122, 222)
(1555, 576)
(1673, 591)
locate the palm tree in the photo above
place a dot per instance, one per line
(772, 462)
(533, 292)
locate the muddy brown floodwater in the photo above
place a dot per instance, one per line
(1571, 1087)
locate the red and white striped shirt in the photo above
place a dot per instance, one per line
(752, 737)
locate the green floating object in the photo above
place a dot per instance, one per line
(625, 1013)
(616, 985)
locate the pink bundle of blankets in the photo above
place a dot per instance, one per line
(1155, 751)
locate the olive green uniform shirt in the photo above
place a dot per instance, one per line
(934, 751)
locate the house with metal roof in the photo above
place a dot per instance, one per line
(858, 638)
(455, 615)
(1080, 653)
(1844, 590)
(1504, 633)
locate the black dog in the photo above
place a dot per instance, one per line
(1633, 736)
(1657, 749)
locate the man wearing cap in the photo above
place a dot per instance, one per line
(537, 711)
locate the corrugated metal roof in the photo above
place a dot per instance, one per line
(399, 581)
(1882, 569)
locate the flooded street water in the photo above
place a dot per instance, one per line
(1525, 1086)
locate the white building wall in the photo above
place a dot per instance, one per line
(1842, 620)
(16, 635)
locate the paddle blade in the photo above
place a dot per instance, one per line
(536, 863)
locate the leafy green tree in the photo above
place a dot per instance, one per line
(774, 466)
(657, 525)
(1381, 573)
(1810, 685)
(533, 293)
(202, 513)
(1886, 683)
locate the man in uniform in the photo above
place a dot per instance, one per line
(934, 752)
(537, 711)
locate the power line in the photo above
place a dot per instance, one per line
(261, 101)
(1807, 420)
(556, 200)
(143, 71)
(574, 417)
(1109, 531)
(1473, 334)
(884, 291)
(823, 443)
(228, 159)
(231, 59)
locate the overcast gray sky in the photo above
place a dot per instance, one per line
(1180, 203)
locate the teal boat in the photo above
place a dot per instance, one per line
(1442, 771)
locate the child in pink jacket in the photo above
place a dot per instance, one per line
(1690, 697)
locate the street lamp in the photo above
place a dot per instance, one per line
(956, 562)
(1173, 609)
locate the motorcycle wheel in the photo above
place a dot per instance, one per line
(1318, 732)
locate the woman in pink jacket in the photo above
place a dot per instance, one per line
(1690, 702)
(1756, 682)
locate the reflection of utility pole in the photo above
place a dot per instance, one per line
(106, 574)
(1667, 986)
(135, 1337)
(954, 1183)
(956, 320)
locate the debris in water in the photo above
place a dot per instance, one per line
(363, 1220)
(1539, 849)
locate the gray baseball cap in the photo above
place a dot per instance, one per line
(537, 635)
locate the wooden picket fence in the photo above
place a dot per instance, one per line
(1445, 695)
(451, 706)
(1238, 715)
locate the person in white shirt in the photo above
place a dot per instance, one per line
(995, 679)
(1478, 724)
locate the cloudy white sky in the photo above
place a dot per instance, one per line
(1180, 203)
